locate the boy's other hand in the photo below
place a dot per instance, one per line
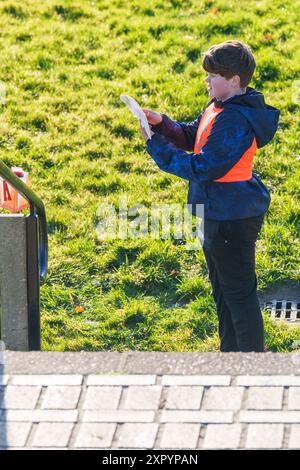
(152, 116)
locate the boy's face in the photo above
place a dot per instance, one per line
(221, 88)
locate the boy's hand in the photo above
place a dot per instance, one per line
(152, 116)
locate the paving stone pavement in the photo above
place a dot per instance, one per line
(168, 401)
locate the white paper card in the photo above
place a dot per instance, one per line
(137, 112)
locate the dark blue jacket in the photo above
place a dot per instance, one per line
(231, 135)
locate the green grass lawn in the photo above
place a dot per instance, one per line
(64, 65)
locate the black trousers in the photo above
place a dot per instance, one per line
(229, 250)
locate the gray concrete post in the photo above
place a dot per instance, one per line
(13, 282)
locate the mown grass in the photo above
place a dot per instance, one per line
(64, 65)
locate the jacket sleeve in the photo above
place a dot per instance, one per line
(231, 135)
(182, 134)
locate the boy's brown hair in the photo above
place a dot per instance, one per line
(230, 58)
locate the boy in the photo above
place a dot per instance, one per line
(223, 139)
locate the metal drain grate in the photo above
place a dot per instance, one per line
(283, 310)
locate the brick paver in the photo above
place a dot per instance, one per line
(180, 436)
(170, 409)
(222, 436)
(265, 398)
(268, 380)
(136, 435)
(294, 398)
(52, 435)
(267, 416)
(36, 416)
(61, 397)
(120, 416)
(223, 398)
(94, 435)
(196, 380)
(19, 397)
(184, 397)
(142, 397)
(63, 379)
(264, 436)
(294, 440)
(121, 379)
(203, 416)
(14, 434)
(104, 397)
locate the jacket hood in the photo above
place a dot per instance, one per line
(262, 117)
